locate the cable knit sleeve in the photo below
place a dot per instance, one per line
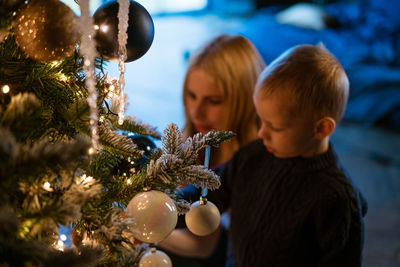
(221, 196)
(332, 218)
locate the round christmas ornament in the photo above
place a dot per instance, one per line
(140, 31)
(130, 166)
(9, 6)
(203, 217)
(46, 30)
(155, 215)
(155, 258)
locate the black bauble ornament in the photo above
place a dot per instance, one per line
(9, 6)
(46, 30)
(129, 166)
(140, 31)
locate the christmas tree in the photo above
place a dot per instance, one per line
(68, 155)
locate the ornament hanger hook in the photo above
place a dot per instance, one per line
(204, 190)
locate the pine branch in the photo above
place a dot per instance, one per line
(17, 251)
(176, 164)
(172, 140)
(199, 176)
(182, 206)
(131, 124)
(20, 107)
(117, 142)
(20, 160)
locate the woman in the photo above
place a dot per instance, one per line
(217, 95)
(218, 89)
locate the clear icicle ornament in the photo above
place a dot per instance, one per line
(123, 18)
(88, 52)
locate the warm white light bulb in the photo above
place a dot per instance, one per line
(91, 151)
(63, 237)
(121, 120)
(6, 89)
(46, 185)
(104, 28)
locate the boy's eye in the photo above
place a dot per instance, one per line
(272, 128)
(276, 129)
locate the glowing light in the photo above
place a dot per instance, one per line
(111, 88)
(63, 237)
(86, 180)
(91, 151)
(104, 28)
(96, 27)
(6, 89)
(129, 181)
(47, 186)
(60, 245)
(63, 77)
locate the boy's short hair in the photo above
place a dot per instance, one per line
(311, 78)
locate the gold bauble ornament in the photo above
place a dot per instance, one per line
(203, 217)
(154, 214)
(46, 30)
(155, 258)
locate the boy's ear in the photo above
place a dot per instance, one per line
(324, 127)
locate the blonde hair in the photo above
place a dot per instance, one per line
(234, 64)
(311, 78)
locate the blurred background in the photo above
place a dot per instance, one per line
(363, 34)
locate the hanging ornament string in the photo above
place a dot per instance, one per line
(204, 190)
(88, 52)
(123, 17)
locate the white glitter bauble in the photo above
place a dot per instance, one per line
(155, 215)
(155, 258)
(203, 218)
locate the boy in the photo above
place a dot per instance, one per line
(291, 202)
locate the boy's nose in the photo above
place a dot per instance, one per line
(263, 132)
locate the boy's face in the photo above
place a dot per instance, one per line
(284, 134)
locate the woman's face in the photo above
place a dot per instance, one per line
(205, 103)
